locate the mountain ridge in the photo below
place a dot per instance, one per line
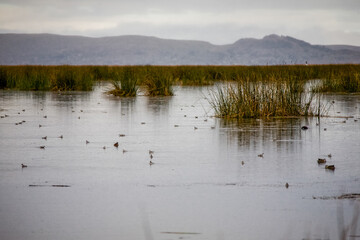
(52, 49)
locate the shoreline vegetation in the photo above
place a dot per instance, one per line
(248, 92)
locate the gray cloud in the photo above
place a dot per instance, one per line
(320, 22)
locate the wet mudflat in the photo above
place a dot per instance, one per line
(209, 178)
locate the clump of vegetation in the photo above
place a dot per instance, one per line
(71, 78)
(3, 78)
(27, 78)
(45, 78)
(195, 75)
(159, 83)
(345, 83)
(268, 98)
(125, 84)
(159, 79)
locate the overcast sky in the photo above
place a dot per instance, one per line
(215, 21)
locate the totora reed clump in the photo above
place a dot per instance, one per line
(261, 99)
(158, 83)
(125, 84)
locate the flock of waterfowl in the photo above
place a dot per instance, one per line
(323, 161)
(320, 161)
(116, 144)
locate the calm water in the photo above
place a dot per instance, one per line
(205, 183)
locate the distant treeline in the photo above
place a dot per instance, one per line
(343, 78)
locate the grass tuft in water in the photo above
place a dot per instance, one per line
(125, 84)
(45, 78)
(159, 79)
(159, 83)
(254, 99)
(344, 83)
(71, 78)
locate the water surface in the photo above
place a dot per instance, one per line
(207, 180)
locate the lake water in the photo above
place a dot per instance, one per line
(207, 180)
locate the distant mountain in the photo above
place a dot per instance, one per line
(48, 49)
(344, 47)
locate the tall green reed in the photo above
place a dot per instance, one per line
(346, 83)
(158, 82)
(55, 78)
(339, 77)
(124, 84)
(261, 99)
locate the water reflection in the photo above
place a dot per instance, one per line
(195, 171)
(343, 105)
(159, 105)
(126, 105)
(252, 133)
(69, 99)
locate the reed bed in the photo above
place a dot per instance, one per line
(250, 92)
(124, 85)
(44, 78)
(263, 99)
(346, 83)
(335, 77)
(159, 83)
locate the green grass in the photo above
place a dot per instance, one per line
(46, 78)
(159, 79)
(348, 82)
(262, 99)
(124, 85)
(251, 91)
(158, 83)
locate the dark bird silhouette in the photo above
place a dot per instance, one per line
(330, 167)
(321, 160)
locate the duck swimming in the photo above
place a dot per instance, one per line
(330, 167)
(321, 160)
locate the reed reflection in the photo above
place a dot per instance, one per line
(250, 134)
(159, 105)
(68, 99)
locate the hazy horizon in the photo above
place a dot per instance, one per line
(322, 22)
